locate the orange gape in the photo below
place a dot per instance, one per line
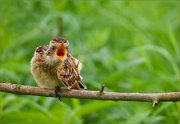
(61, 52)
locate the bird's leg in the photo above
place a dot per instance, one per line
(57, 89)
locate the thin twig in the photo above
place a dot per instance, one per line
(94, 95)
(102, 89)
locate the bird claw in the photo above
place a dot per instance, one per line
(57, 89)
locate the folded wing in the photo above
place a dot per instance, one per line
(69, 73)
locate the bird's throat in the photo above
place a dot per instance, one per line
(61, 52)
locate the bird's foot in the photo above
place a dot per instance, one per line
(57, 89)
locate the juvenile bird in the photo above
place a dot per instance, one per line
(69, 69)
(44, 72)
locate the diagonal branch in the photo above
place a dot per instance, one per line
(87, 94)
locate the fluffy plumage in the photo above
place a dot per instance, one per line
(53, 66)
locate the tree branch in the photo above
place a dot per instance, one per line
(87, 94)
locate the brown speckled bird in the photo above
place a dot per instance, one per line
(43, 71)
(53, 66)
(69, 69)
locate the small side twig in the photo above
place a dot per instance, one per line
(102, 89)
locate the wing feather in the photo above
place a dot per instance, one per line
(69, 74)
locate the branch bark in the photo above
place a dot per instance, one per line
(87, 94)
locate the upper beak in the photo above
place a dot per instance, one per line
(61, 52)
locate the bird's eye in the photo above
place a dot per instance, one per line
(53, 48)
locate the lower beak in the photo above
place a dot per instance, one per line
(61, 52)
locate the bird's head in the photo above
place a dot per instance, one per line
(39, 52)
(58, 49)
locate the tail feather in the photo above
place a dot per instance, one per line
(82, 85)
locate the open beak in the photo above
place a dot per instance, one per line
(61, 52)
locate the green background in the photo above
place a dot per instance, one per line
(130, 46)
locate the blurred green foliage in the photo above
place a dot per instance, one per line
(130, 46)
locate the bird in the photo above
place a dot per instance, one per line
(69, 73)
(43, 72)
(52, 66)
(69, 69)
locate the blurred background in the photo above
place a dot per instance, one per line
(130, 46)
